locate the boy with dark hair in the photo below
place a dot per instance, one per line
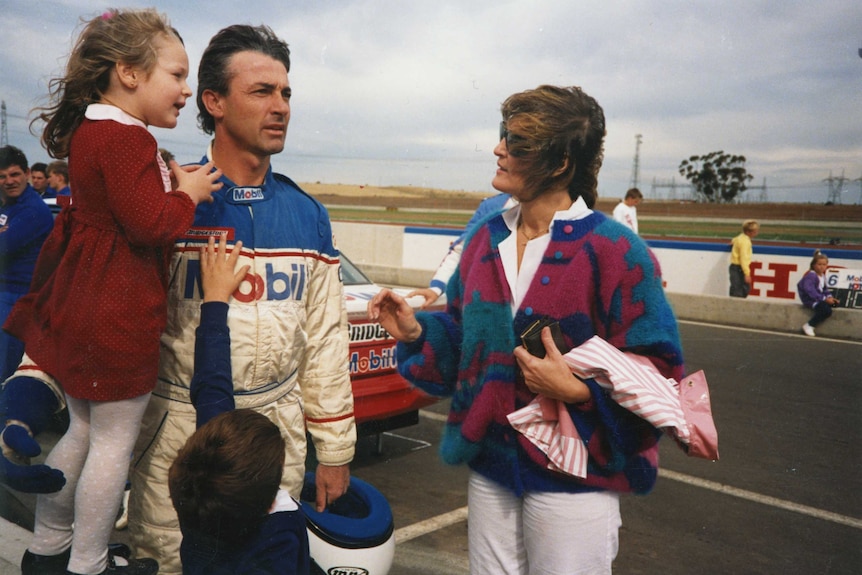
(224, 483)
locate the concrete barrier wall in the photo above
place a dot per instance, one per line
(379, 250)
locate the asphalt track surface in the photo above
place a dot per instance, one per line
(785, 497)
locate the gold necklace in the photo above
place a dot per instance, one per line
(524, 233)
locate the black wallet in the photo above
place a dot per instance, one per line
(532, 337)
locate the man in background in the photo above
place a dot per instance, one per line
(740, 259)
(25, 222)
(39, 180)
(626, 211)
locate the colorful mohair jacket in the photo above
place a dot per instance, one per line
(596, 278)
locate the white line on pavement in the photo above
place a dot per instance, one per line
(763, 499)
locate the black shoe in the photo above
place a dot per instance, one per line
(129, 567)
(32, 564)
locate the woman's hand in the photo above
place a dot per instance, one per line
(218, 278)
(395, 315)
(551, 376)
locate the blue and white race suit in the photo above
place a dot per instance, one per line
(289, 352)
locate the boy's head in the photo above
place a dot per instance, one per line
(750, 228)
(58, 174)
(225, 479)
(633, 197)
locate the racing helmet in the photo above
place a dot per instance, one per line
(355, 535)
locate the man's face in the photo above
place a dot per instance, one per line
(56, 181)
(38, 180)
(256, 109)
(13, 181)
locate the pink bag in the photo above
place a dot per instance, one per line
(694, 400)
(682, 410)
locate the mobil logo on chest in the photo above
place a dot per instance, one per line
(284, 281)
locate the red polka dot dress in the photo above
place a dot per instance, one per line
(97, 304)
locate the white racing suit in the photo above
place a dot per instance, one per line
(289, 350)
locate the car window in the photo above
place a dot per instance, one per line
(350, 274)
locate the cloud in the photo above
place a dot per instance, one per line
(395, 92)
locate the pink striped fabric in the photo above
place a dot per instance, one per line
(633, 382)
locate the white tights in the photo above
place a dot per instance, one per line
(94, 455)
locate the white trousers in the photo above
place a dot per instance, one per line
(540, 533)
(94, 455)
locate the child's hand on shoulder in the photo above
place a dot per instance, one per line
(218, 278)
(198, 182)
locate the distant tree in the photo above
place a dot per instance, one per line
(717, 177)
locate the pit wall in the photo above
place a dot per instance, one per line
(695, 275)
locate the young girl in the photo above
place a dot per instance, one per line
(813, 293)
(97, 304)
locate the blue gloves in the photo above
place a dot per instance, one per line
(26, 407)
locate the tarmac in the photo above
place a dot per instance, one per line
(13, 543)
(847, 326)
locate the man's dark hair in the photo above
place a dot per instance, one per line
(39, 167)
(212, 71)
(12, 156)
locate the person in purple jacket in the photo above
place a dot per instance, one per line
(813, 293)
(224, 483)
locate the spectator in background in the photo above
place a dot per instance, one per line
(25, 222)
(39, 180)
(626, 212)
(58, 178)
(740, 259)
(449, 263)
(813, 293)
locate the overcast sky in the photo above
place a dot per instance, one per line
(402, 92)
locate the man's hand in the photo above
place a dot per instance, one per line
(330, 483)
(429, 294)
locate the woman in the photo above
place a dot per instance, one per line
(549, 256)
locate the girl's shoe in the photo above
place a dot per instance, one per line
(119, 566)
(32, 564)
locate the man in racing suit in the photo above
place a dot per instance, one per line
(287, 319)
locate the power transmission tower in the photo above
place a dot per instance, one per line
(836, 187)
(761, 197)
(636, 165)
(672, 186)
(4, 132)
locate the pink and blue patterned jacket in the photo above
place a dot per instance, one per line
(596, 278)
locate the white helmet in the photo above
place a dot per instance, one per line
(353, 536)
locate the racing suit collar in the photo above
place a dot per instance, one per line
(235, 194)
